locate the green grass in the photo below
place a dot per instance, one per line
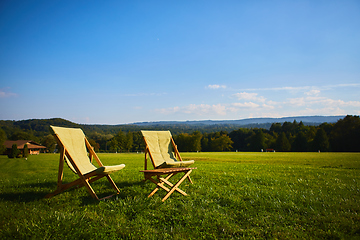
(234, 196)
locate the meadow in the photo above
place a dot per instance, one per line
(234, 196)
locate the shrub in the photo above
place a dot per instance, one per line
(14, 151)
(26, 151)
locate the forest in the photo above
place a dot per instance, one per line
(342, 136)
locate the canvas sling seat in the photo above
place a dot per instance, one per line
(166, 160)
(77, 152)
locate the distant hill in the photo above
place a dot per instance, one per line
(40, 127)
(310, 120)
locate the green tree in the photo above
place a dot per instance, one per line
(129, 141)
(49, 142)
(275, 127)
(321, 141)
(103, 141)
(205, 143)
(239, 138)
(94, 144)
(310, 133)
(345, 135)
(221, 143)
(300, 143)
(26, 151)
(282, 143)
(257, 141)
(2, 141)
(14, 151)
(189, 143)
(270, 140)
(182, 142)
(197, 136)
(121, 141)
(289, 127)
(22, 135)
(113, 145)
(138, 142)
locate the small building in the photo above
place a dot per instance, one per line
(270, 150)
(34, 148)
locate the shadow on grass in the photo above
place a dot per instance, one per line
(23, 197)
(126, 189)
(36, 191)
(28, 192)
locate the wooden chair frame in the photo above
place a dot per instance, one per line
(84, 179)
(160, 181)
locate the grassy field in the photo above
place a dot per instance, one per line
(234, 196)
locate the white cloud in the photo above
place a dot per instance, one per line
(219, 109)
(249, 96)
(215, 109)
(296, 101)
(5, 94)
(268, 106)
(313, 89)
(246, 105)
(320, 101)
(344, 85)
(144, 94)
(313, 92)
(270, 102)
(331, 102)
(215, 86)
(317, 111)
(315, 99)
(168, 110)
(245, 95)
(200, 109)
(278, 89)
(352, 103)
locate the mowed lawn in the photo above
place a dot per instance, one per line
(234, 196)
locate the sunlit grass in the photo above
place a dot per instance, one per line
(234, 195)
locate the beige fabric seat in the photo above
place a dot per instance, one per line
(166, 160)
(78, 154)
(162, 151)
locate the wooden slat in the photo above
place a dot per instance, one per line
(61, 167)
(175, 149)
(172, 185)
(176, 185)
(92, 153)
(151, 157)
(167, 170)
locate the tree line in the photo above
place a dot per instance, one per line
(342, 136)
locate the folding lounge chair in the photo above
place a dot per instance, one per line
(78, 154)
(163, 152)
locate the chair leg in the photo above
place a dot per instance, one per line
(113, 184)
(159, 184)
(190, 179)
(158, 187)
(162, 181)
(63, 187)
(176, 185)
(86, 183)
(172, 185)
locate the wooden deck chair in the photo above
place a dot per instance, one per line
(78, 154)
(166, 160)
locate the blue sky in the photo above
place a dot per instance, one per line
(114, 62)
